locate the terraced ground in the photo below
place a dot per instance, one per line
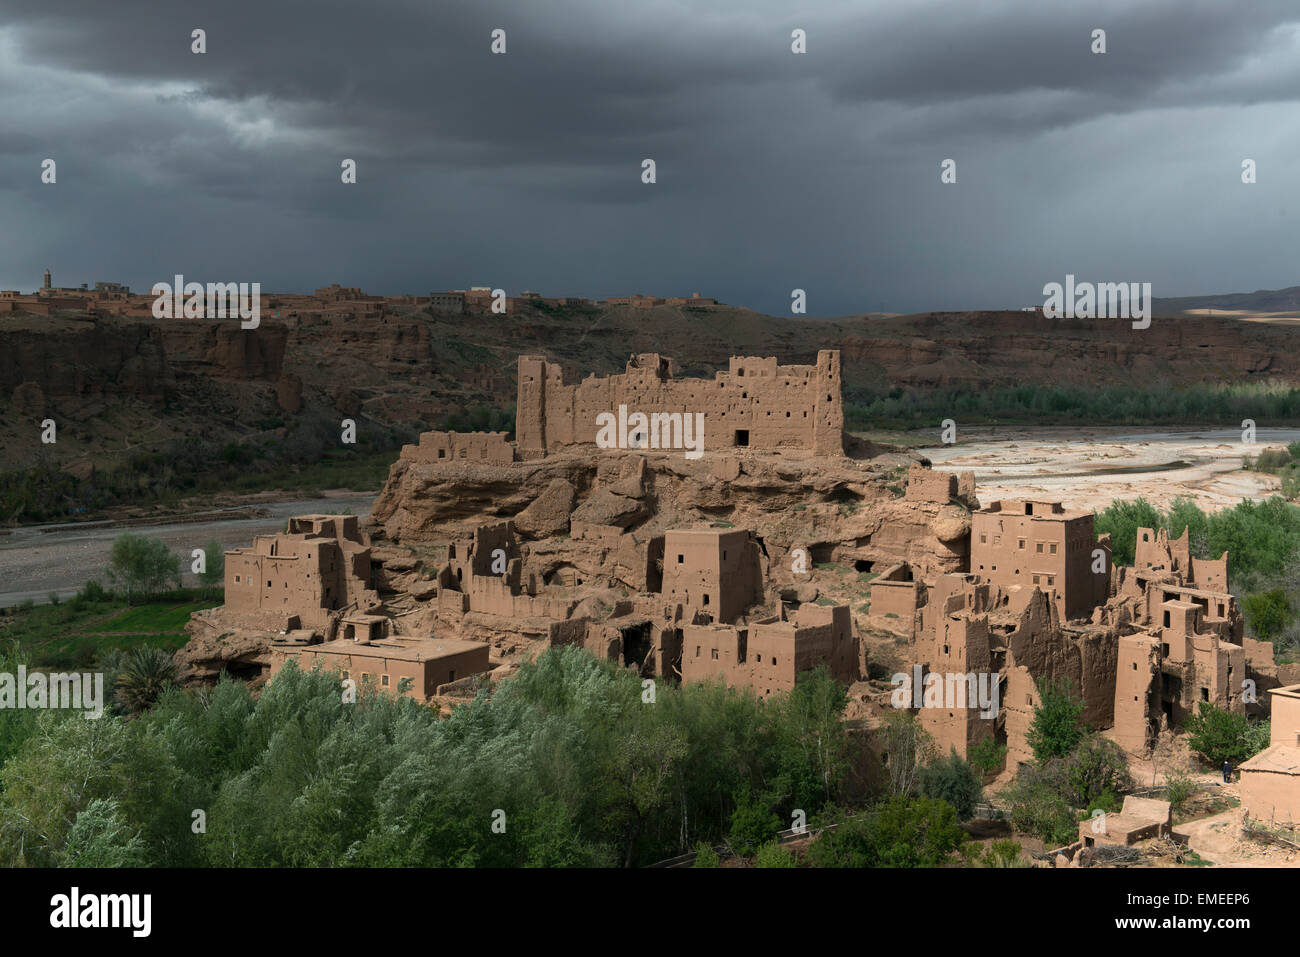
(72, 634)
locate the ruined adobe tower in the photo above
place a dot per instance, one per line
(756, 403)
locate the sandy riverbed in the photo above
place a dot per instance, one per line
(1089, 468)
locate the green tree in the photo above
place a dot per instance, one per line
(214, 564)
(953, 780)
(1218, 735)
(143, 566)
(774, 855)
(753, 824)
(988, 755)
(899, 832)
(1268, 613)
(1122, 520)
(1039, 806)
(101, 837)
(812, 743)
(1056, 728)
(1097, 766)
(908, 748)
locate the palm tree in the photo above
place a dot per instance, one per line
(143, 675)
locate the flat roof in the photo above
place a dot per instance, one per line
(706, 532)
(1280, 759)
(420, 649)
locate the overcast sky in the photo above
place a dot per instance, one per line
(775, 170)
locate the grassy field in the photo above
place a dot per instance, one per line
(74, 633)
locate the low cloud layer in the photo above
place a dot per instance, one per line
(775, 171)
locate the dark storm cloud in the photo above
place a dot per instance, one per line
(819, 171)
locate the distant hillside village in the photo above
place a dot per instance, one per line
(334, 301)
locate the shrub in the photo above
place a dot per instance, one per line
(1179, 789)
(954, 781)
(774, 855)
(1267, 612)
(988, 755)
(1219, 736)
(1004, 853)
(1271, 460)
(1056, 729)
(1095, 768)
(93, 591)
(1039, 807)
(705, 856)
(899, 832)
(752, 824)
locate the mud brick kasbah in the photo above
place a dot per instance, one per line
(481, 552)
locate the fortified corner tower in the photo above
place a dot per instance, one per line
(828, 424)
(530, 406)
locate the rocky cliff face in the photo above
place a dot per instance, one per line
(67, 359)
(838, 509)
(114, 381)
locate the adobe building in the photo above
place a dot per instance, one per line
(1139, 819)
(768, 655)
(419, 668)
(700, 582)
(1270, 781)
(1189, 646)
(303, 577)
(713, 572)
(1040, 543)
(755, 404)
(897, 592)
(450, 447)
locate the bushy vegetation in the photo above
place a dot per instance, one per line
(897, 832)
(774, 855)
(306, 459)
(954, 781)
(481, 418)
(1042, 403)
(1056, 728)
(1218, 735)
(1259, 535)
(1285, 464)
(1004, 854)
(143, 566)
(564, 757)
(1075, 771)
